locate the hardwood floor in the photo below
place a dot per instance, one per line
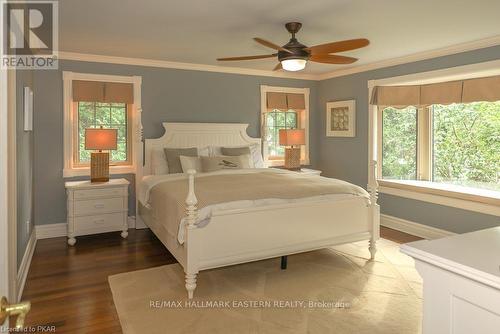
(397, 236)
(68, 286)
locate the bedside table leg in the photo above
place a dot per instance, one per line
(124, 234)
(71, 241)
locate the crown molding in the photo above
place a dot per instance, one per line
(178, 65)
(454, 49)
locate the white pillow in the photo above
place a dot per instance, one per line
(204, 151)
(159, 164)
(188, 163)
(255, 152)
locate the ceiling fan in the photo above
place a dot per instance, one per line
(294, 55)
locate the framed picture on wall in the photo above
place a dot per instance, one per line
(341, 118)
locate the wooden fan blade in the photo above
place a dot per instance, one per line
(332, 59)
(270, 45)
(277, 67)
(247, 57)
(341, 46)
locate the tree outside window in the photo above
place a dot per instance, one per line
(276, 120)
(109, 116)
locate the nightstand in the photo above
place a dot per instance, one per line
(309, 171)
(97, 207)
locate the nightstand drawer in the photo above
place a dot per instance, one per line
(100, 223)
(97, 206)
(97, 193)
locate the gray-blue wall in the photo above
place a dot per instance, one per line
(24, 166)
(167, 95)
(196, 96)
(347, 158)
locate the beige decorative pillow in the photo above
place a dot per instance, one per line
(210, 164)
(232, 151)
(173, 160)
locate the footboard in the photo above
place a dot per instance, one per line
(238, 236)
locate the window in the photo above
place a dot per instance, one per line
(108, 116)
(463, 141)
(276, 120)
(399, 143)
(435, 136)
(95, 100)
(466, 145)
(283, 108)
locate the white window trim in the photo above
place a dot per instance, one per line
(304, 121)
(473, 200)
(69, 170)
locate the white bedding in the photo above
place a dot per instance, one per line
(204, 214)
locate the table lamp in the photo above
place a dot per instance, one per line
(100, 139)
(292, 138)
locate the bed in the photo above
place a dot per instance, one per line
(245, 230)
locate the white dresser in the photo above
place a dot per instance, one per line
(461, 277)
(97, 207)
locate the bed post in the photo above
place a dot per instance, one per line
(139, 163)
(192, 215)
(374, 209)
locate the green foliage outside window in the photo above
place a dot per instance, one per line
(276, 120)
(467, 144)
(399, 143)
(109, 116)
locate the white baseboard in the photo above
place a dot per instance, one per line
(419, 230)
(61, 230)
(22, 272)
(51, 230)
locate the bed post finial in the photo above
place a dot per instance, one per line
(374, 208)
(191, 201)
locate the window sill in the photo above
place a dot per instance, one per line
(473, 199)
(85, 171)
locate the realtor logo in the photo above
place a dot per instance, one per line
(29, 34)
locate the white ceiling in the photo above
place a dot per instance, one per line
(198, 31)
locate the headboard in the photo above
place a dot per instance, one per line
(178, 135)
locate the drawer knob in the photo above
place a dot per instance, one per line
(99, 221)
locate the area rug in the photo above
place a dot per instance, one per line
(335, 290)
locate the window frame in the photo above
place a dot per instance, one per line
(472, 199)
(71, 167)
(302, 123)
(297, 118)
(424, 143)
(76, 141)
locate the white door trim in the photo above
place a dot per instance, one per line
(8, 196)
(4, 218)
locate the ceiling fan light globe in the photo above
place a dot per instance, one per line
(293, 65)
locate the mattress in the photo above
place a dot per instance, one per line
(163, 196)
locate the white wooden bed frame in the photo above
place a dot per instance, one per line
(250, 234)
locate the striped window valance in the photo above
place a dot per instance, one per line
(462, 91)
(97, 91)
